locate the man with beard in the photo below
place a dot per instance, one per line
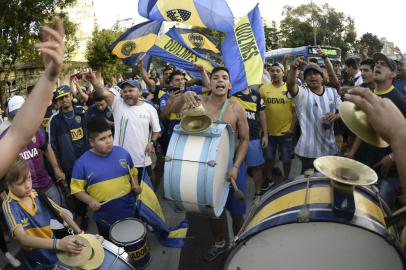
(133, 119)
(68, 137)
(381, 159)
(316, 110)
(220, 108)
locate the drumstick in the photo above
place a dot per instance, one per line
(115, 197)
(237, 193)
(132, 180)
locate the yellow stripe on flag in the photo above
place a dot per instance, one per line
(180, 11)
(175, 48)
(148, 197)
(179, 233)
(126, 48)
(249, 51)
(204, 42)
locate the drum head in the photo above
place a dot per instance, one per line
(317, 245)
(127, 231)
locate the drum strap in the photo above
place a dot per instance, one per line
(223, 110)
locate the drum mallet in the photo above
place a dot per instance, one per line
(237, 193)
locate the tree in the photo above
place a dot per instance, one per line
(99, 56)
(272, 36)
(307, 23)
(372, 42)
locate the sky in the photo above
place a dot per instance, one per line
(385, 20)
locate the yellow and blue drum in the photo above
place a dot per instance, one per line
(275, 235)
(196, 165)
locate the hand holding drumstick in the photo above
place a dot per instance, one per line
(134, 183)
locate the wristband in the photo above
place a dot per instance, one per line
(54, 243)
(391, 157)
(324, 56)
(153, 143)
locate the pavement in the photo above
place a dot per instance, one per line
(198, 240)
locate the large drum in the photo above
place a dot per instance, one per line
(277, 235)
(195, 169)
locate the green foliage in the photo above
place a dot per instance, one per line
(372, 42)
(331, 27)
(272, 37)
(99, 56)
(20, 22)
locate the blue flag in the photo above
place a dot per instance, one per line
(149, 209)
(244, 51)
(136, 41)
(214, 14)
(172, 49)
(199, 42)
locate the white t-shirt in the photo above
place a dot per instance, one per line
(315, 140)
(132, 128)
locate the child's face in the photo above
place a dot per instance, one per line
(22, 187)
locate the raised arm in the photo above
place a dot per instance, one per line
(144, 75)
(98, 87)
(329, 67)
(30, 116)
(205, 78)
(292, 76)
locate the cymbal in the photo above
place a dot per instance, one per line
(195, 124)
(345, 171)
(72, 259)
(97, 257)
(356, 121)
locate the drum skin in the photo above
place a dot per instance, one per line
(273, 238)
(131, 234)
(195, 169)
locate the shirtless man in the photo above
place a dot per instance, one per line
(235, 116)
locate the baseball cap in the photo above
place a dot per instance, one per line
(132, 83)
(61, 91)
(14, 104)
(314, 67)
(390, 62)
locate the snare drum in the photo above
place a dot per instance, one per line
(131, 234)
(275, 235)
(195, 169)
(114, 258)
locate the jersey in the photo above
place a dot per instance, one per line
(104, 178)
(279, 109)
(253, 104)
(317, 139)
(35, 222)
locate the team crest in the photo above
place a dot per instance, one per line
(108, 114)
(196, 39)
(128, 47)
(78, 119)
(254, 98)
(34, 139)
(123, 163)
(178, 15)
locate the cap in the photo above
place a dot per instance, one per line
(61, 91)
(314, 67)
(391, 63)
(14, 104)
(132, 83)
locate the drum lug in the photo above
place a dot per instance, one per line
(211, 163)
(168, 158)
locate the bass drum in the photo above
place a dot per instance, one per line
(195, 169)
(274, 238)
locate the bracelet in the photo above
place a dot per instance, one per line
(54, 243)
(391, 157)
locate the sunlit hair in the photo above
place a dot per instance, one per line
(17, 170)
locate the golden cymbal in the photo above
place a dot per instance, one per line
(356, 121)
(345, 171)
(195, 124)
(72, 259)
(97, 257)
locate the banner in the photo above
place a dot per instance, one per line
(244, 51)
(213, 14)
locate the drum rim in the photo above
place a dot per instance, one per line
(125, 244)
(110, 246)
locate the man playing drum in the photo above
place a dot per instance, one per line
(220, 108)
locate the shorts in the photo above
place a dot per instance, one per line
(235, 206)
(254, 156)
(285, 148)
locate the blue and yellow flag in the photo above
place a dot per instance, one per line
(136, 41)
(149, 209)
(198, 41)
(173, 49)
(244, 51)
(214, 14)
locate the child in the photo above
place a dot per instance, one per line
(29, 220)
(101, 178)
